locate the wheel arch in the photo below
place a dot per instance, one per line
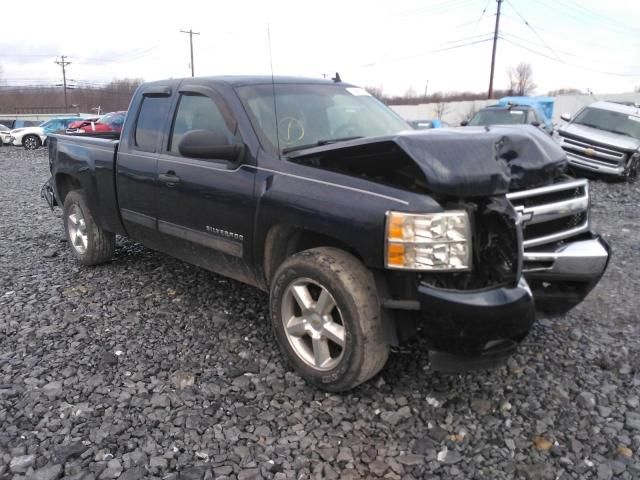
(64, 184)
(282, 241)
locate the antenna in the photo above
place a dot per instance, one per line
(273, 88)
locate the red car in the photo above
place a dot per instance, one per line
(110, 122)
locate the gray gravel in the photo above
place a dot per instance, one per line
(151, 368)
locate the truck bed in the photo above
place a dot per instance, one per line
(91, 162)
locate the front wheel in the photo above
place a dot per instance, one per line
(90, 244)
(31, 142)
(326, 316)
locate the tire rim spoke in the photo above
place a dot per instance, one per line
(302, 296)
(335, 332)
(296, 326)
(325, 303)
(321, 353)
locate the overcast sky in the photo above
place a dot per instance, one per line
(396, 45)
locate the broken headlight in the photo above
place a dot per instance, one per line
(429, 241)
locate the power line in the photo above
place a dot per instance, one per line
(564, 52)
(407, 57)
(191, 34)
(567, 63)
(598, 16)
(481, 15)
(533, 30)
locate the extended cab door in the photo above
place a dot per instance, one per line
(205, 207)
(138, 152)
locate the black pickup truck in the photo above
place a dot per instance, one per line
(363, 230)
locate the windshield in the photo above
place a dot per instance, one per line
(316, 114)
(616, 122)
(3, 128)
(499, 117)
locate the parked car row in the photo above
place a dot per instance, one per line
(35, 136)
(602, 138)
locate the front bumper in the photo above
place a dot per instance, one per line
(562, 275)
(596, 166)
(474, 329)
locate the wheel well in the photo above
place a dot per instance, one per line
(64, 184)
(283, 241)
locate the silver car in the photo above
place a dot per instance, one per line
(603, 138)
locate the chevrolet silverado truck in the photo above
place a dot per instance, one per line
(363, 231)
(603, 139)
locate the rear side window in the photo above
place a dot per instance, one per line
(197, 112)
(153, 113)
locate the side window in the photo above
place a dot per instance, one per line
(153, 113)
(197, 112)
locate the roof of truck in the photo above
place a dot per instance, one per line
(243, 80)
(615, 107)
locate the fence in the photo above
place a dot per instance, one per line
(455, 112)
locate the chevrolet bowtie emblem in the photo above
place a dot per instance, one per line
(589, 151)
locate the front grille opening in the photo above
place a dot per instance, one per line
(596, 158)
(537, 265)
(538, 230)
(551, 197)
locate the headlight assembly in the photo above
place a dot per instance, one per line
(429, 241)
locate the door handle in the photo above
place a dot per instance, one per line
(170, 177)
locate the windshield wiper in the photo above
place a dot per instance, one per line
(319, 143)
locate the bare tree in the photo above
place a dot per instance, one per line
(472, 109)
(521, 79)
(564, 91)
(441, 108)
(376, 92)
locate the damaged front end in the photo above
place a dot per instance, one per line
(529, 231)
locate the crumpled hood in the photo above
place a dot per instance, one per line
(470, 161)
(589, 134)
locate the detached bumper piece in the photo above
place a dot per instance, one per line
(48, 194)
(474, 329)
(562, 275)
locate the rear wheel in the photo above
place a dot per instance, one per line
(31, 142)
(326, 317)
(90, 244)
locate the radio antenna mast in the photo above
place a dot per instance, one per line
(273, 88)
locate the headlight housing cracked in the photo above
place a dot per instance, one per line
(430, 241)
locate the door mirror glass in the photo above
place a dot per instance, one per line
(210, 144)
(566, 117)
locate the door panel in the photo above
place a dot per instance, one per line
(205, 207)
(137, 169)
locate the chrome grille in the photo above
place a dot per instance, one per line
(553, 213)
(592, 152)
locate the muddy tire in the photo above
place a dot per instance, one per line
(31, 142)
(90, 244)
(325, 313)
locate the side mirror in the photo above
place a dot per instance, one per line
(464, 123)
(535, 123)
(209, 144)
(566, 117)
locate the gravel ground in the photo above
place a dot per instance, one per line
(151, 368)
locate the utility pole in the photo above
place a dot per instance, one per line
(63, 63)
(495, 44)
(191, 34)
(426, 87)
